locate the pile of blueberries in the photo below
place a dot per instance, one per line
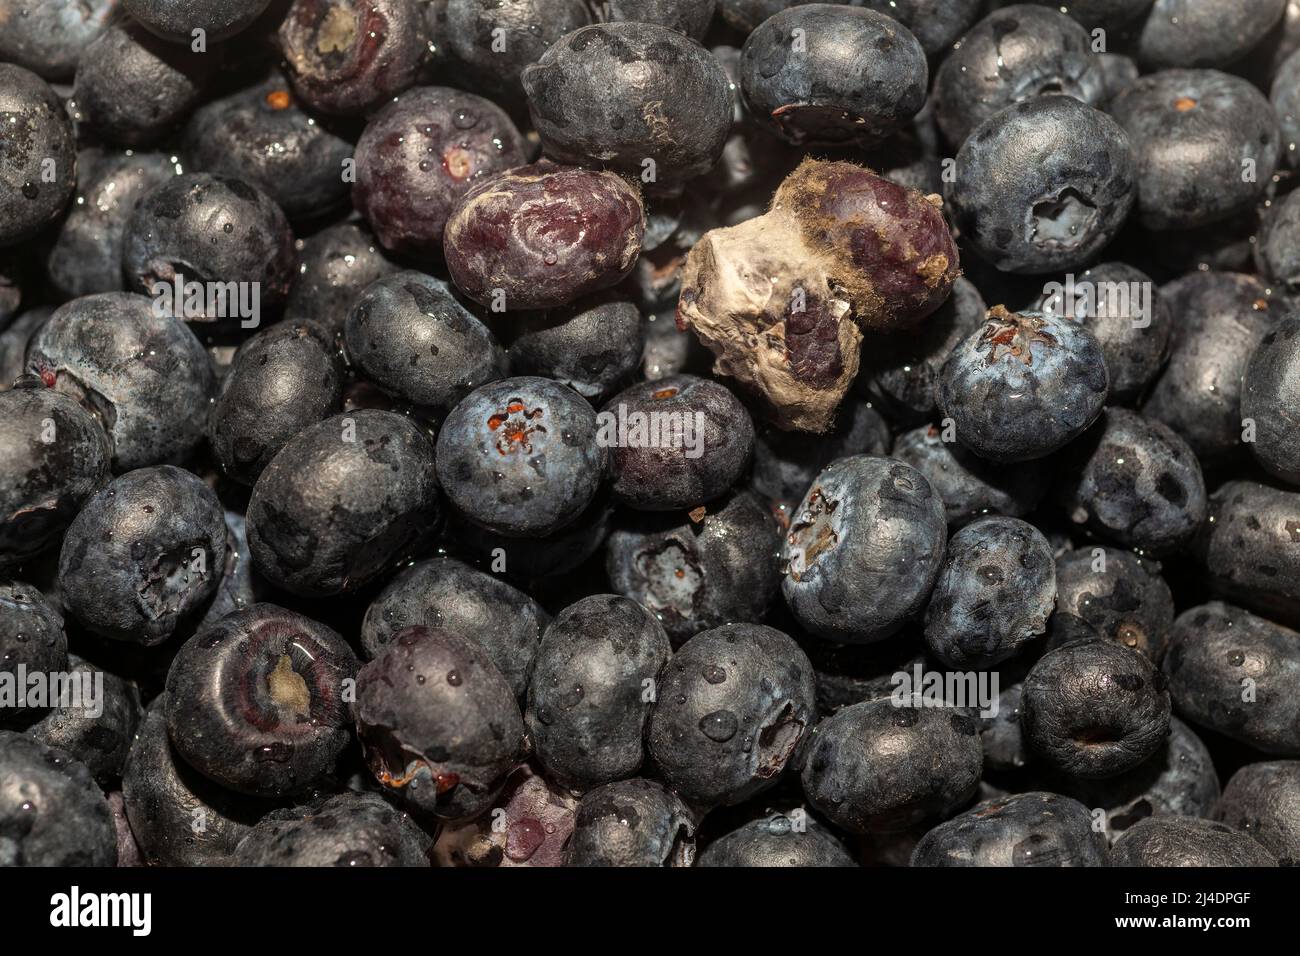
(649, 433)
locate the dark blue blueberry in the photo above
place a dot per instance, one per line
(49, 38)
(1263, 799)
(96, 730)
(1248, 549)
(595, 348)
(1114, 595)
(1107, 14)
(691, 17)
(1276, 254)
(348, 830)
(36, 138)
(334, 267)
(777, 841)
(1285, 97)
(1025, 829)
(632, 823)
(527, 559)
(1270, 396)
(218, 19)
(1003, 736)
(31, 638)
(1209, 33)
(935, 23)
(1187, 841)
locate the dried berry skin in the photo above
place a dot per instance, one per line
(36, 129)
(542, 236)
(31, 637)
(632, 823)
(1187, 841)
(775, 842)
(1114, 595)
(638, 98)
(1263, 799)
(348, 829)
(218, 19)
(1270, 395)
(1024, 829)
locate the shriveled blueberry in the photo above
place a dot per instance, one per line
(632, 823)
(1270, 395)
(35, 138)
(1023, 385)
(334, 267)
(343, 502)
(1025, 829)
(863, 550)
(96, 728)
(52, 813)
(438, 723)
(348, 829)
(638, 98)
(993, 595)
(1187, 841)
(594, 347)
(775, 841)
(49, 38)
(218, 19)
(1115, 595)
(1094, 709)
(145, 553)
(877, 767)
(1248, 549)
(593, 689)
(1263, 799)
(935, 23)
(53, 456)
(543, 236)
(675, 443)
(420, 154)
(1179, 34)
(538, 820)
(31, 639)
(731, 709)
(445, 593)
(698, 574)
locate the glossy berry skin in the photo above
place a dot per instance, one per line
(1191, 131)
(1043, 185)
(349, 829)
(691, 17)
(218, 19)
(342, 503)
(878, 768)
(445, 593)
(1276, 256)
(993, 596)
(490, 44)
(1208, 34)
(1024, 829)
(637, 98)
(419, 155)
(1247, 549)
(335, 266)
(145, 553)
(632, 823)
(542, 236)
(1134, 482)
(858, 76)
(1114, 595)
(730, 713)
(695, 575)
(1001, 735)
(775, 842)
(99, 732)
(1187, 841)
(31, 637)
(1270, 394)
(408, 334)
(53, 456)
(262, 136)
(676, 469)
(257, 702)
(1213, 649)
(1104, 13)
(50, 38)
(595, 347)
(438, 723)
(36, 129)
(51, 810)
(1094, 709)
(521, 456)
(1012, 55)
(1285, 97)
(588, 705)
(1263, 799)
(934, 23)
(863, 549)
(143, 374)
(1023, 386)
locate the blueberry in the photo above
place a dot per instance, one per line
(632, 823)
(49, 38)
(1025, 829)
(1108, 14)
(348, 829)
(730, 712)
(1023, 385)
(691, 17)
(675, 443)
(145, 553)
(419, 155)
(543, 236)
(529, 825)
(446, 593)
(35, 138)
(1231, 671)
(1013, 54)
(1187, 841)
(1192, 132)
(528, 559)
(178, 816)
(335, 266)
(14, 266)
(698, 574)
(51, 811)
(1247, 548)
(438, 723)
(852, 673)
(863, 550)
(343, 502)
(1214, 33)
(876, 767)
(746, 15)
(1270, 393)
(1002, 735)
(828, 88)
(1263, 799)
(1134, 482)
(935, 23)
(775, 841)
(281, 381)
(410, 336)
(53, 456)
(218, 19)
(521, 456)
(1275, 250)
(1285, 97)
(968, 485)
(238, 588)
(31, 639)
(1114, 595)
(993, 595)
(1094, 709)
(594, 347)
(98, 728)
(593, 688)
(637, 98)
(1062, 196)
